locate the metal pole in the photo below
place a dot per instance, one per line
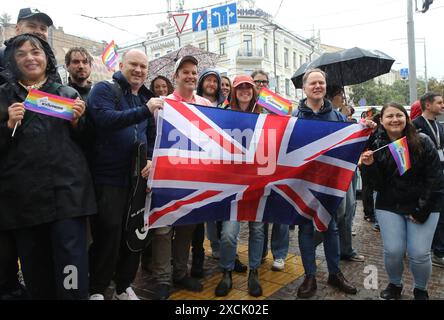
(412, 55)
(274, 56)
(425, 67)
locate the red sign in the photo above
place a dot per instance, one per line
(180, 20)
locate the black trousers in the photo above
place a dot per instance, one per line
(367, 194)
(54, 259)
(198, 251)
(109, 255)
(8, 263)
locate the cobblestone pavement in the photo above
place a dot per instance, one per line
(284, 285)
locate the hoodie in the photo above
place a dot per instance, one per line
(326, 113)
(220, 98)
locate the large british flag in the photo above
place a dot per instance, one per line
(214, 165)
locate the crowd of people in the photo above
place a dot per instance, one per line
(65, 185)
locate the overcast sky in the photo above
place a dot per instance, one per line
(370, 24)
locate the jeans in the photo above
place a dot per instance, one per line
(213, 236)
(308, 248)
(345, 215)
(280, 240)
(438, 240)
(400, 235)
(230, 232)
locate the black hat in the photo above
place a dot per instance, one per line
(27, 13)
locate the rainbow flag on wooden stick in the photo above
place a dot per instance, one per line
(274, 102)
(401, 154)
(49, 104)
(110, 57)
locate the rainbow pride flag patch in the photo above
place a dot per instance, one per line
(49, 104)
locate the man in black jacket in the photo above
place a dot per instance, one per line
(120, 123)
(432, 106)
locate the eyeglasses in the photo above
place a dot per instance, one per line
(261, 82)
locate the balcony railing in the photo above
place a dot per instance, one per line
(253, 53)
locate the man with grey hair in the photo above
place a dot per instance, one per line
(316, 107)
(121, 111)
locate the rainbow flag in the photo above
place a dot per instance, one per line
(401, 154)
(109, 56)
(274, 102)
(49, 104)
(225, 104)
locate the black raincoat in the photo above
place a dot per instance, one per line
(44, 175)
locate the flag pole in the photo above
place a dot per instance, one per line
(15, 128)
(381, 148)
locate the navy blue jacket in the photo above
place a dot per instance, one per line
(326, 113)
(117, 129)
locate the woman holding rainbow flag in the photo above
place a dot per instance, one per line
(404, 167)
(46, 190)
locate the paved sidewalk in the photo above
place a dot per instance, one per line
(284, 285)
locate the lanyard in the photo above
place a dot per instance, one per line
(435, 135)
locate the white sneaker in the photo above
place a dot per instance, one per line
(278, 265)
(96, 296)
(129, 294)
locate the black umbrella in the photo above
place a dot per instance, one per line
(347, 67)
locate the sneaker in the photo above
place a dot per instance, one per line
(357, 258)
(353, 233)
(129, 294)
(437, 262)
(392, 292)
(239, 266)
(97, 296)
(278, 265)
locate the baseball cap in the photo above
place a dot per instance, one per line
(243, 78)
(181, 61)
(27, 13)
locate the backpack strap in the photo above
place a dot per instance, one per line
(118, 93)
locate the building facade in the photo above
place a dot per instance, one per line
(253, 43)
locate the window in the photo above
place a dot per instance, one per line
(202, 46)
(266, 48)
(276, 52)
(162, 32)
(248, 44)
(277, 84)
(157, 55)
(287, 87)
(301, 62)
(295, 66)
(222, 44)
(286, 57)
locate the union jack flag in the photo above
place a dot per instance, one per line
(214, 165)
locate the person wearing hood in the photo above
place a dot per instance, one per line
(209, 86)
(316, 107)
(46, 191)
(37, 23)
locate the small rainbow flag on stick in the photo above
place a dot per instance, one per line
(49, 104)
(400, 152)
(109, 56)
(274, 102)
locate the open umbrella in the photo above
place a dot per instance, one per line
(164, 65)
(347, 67)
